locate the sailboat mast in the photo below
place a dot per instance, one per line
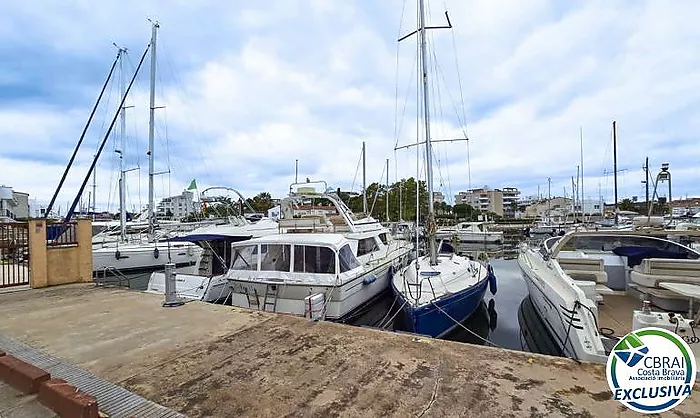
(151, 130)
(364, 180)
(387, 190)
(94, 191)
(430, 224)
(122, 147)
(582, 200)
(615, 166)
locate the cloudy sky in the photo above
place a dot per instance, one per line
(248, 87)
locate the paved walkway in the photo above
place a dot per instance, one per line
(212, 360)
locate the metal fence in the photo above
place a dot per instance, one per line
(14, 254)
(61, 234)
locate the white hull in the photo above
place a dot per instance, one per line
(191, 286)
(144, 256)
(554, 299)
(471, 237)
(290, 300)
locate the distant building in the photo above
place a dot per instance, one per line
(274, 212)
(483, 199)
(13, 204)
(590, 207)
(510, 201)
(556, 207)
(177, 207)
(438, 197)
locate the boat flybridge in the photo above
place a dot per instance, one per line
(471, 233)
(592, 288)
(369, 243)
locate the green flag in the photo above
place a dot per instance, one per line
(193, 185)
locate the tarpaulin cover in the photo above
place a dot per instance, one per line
(635, 254)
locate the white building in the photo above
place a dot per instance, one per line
(590, 207)
(177, 207)
(483, 199)
(438, 197)
(274, 213)
(13, 204)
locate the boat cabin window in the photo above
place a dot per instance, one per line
(384, 238)
(313, 259)
(347, 259)
(275, 257)
(366, 246)
(245, 258)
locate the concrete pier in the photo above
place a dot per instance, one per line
(212, 360)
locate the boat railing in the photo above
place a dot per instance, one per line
(121, 278)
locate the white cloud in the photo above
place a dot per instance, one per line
(250, 89)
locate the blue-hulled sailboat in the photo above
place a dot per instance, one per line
(441, 289)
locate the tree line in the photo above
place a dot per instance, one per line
(401, 196)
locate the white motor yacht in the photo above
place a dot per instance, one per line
(592, 288)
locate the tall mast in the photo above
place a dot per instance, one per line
(549, 200)
(364, 180)
(646, 182)
(94, 190)
(615, 166)
(387, 190)
(122, 147)
(578, 195)
(430, 224)
(151, 130)
(582, 200)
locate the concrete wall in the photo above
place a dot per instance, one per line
(64, 264)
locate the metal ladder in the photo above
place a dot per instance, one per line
(271, 293)
(252, 300)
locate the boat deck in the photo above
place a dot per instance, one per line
(616, 313)
(211, 360)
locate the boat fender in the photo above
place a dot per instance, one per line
(390, 273)
(156, 252)
(492, 281)
(117, 255)
(369, 279)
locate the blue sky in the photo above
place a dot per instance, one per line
(248, 87)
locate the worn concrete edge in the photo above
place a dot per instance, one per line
(74, 393)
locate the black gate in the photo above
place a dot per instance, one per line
(14, 254)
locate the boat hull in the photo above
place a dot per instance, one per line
(132, 258)
(433, 319)
(344, 299)
(473, 237)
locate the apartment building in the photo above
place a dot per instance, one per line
(438, 197)
(177, 207)
(483, 199)
(13, 204)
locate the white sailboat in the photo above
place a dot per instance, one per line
(127, 256)
(471, 233)
(439, 290)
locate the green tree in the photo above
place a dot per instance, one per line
(463, 211)
(626, 204)
(261, 203)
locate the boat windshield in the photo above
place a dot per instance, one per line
(611, 242)
(245, 258)
(347, 259)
